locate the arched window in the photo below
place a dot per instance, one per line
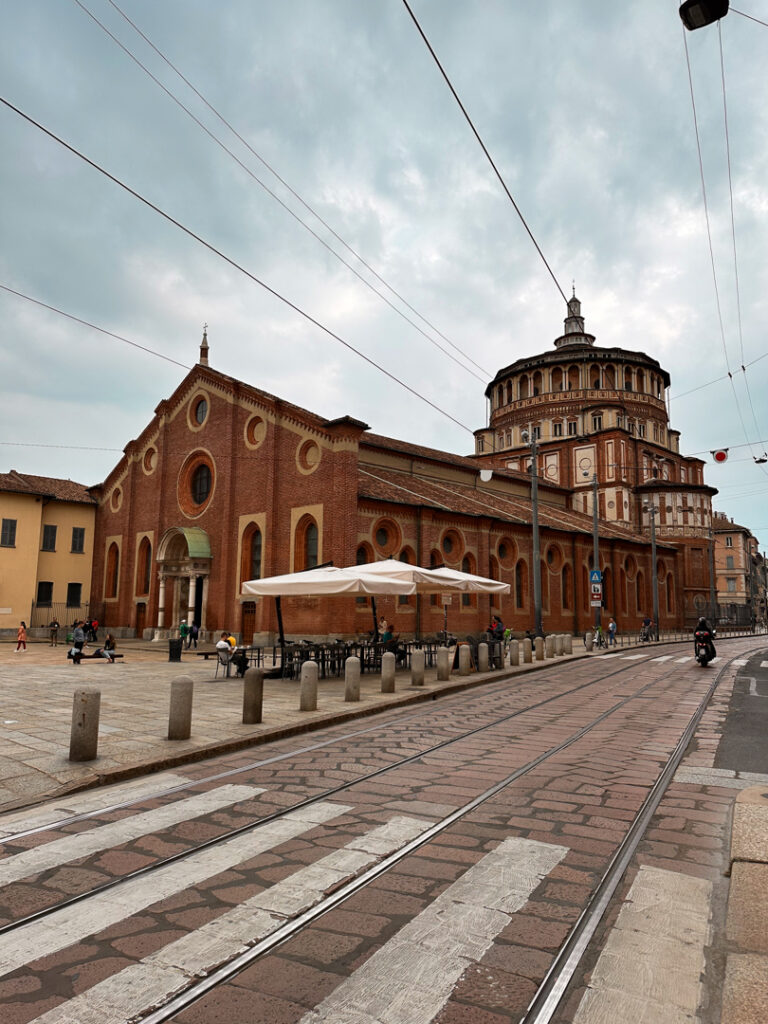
(252, 551)
(306, 544)
(113, 570)
(524, 387)
(468, 565)
(567, 586)
(670, 594)
(521, 584)
(144, 567)
(494, 573)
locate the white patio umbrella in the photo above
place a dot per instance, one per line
(325, 581)
(426, 581)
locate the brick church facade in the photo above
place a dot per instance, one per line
(229, 483)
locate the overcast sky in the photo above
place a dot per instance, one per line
(585, 108)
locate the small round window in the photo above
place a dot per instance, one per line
(448, 544)
(201, 411)
(382, 536)
(201, 484)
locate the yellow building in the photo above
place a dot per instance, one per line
(46, 551)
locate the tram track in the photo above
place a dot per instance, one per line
(284, 811)
(554, 985)
(344, 892)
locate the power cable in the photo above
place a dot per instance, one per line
(733, 230)
(233, 263)
(743, 15)
(709, 235)
(95, 327)
(484, 149)
(273, 195)
(717, 380)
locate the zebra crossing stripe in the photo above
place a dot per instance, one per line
(91, 800)
(71, 924)
(681, 661)
(652, 964)
(72, 847)
(411, 977)
(664, 657)
(633, 657)
(159, 976)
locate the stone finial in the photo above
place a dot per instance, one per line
(204, 347)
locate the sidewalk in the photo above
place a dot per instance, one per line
(36, 691)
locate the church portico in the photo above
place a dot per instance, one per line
(184, 564)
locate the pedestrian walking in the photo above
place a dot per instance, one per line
(21, 638)
(184, 633)
(611, 633)
(193, 633)
(54, 628)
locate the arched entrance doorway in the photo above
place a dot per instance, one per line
(184, 566)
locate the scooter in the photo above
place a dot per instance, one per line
(702, 649)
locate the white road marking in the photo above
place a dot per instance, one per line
(764, 664)
(634, 657)
(115, 833)
(159, 976)
(411, 977)
(742, 661)
(71, 924)
(664, 657)
(651, 966)
(753, 689)
(91, 800)
(723, 777)
(681, 661)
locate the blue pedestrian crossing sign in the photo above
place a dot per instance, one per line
(595, 576)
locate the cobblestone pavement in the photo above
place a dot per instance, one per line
(459, 930)
(36, 691)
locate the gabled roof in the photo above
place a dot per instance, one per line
(402, 488)
(46, 487)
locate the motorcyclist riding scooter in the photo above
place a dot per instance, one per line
(703, 642)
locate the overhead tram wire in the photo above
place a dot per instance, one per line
(749, 16)
(709, 235)
(278, 200)
(293, 191)
(484, 149)
(716, 380)
(733, 230)
(233, 263)
(95, 327)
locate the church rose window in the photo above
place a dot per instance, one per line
(201, 484)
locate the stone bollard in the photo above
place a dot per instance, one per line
(559, 645)
(465, 660)
(482, 657)
(308, 691)
(84, 737)
(417, 667)
(514, 652)
(549, 646)
(388, 672)
(253, 695)
(527, 651)
(589, 640)
(180, 714)
(352, 679)
(567, 644)
(538, 647)
(444, 664)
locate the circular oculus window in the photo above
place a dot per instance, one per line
(308, 456)
(149, 462)
(116, 499)
(255, 432)
(196, 484)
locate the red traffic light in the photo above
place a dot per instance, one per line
(698, 13)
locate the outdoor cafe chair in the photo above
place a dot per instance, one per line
(223, 661)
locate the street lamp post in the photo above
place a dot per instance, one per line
(596, 549)
(537, 625)
(651, 510)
